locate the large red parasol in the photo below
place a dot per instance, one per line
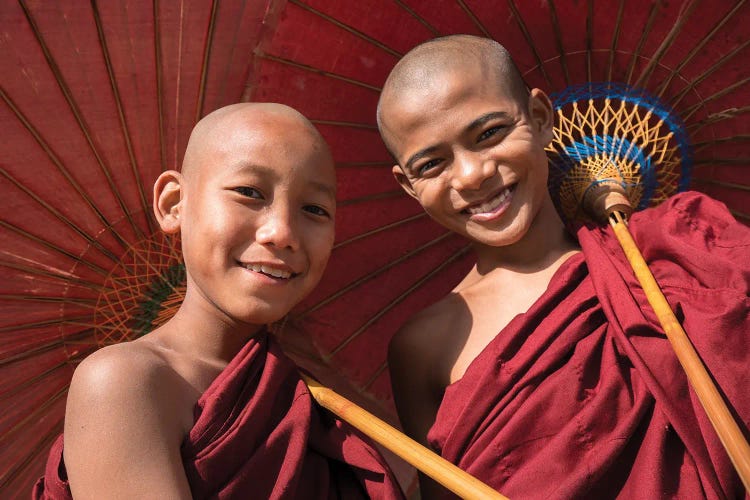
(99, 97)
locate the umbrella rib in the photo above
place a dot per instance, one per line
(368, 383)
(348, 28)
(682, 16)
(615, 40)
(32, 417)
(378, 196)
(697, 146)
(319, 71)
(178, 80)
(722, 161)
(39, 324)
(48, 299)
(419, 18)
(30, 381)
(714, 67)
(642, 39)
(66, 278)
(529, 40)
(206, 58)
(727, 114)
(474, 18)
(42, 445)
(79, 119)
(688, 113)
(123, 123)
(396, 301)
(559, 43)
(339, 123)
(730, 185)
(380, 229)
(59, 216)
(159, 89)
(367, 277)
(704, 40)
(60, 167)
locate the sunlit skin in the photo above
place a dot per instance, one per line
(254, 207)
(469, 144)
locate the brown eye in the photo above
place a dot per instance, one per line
(316, 210)
(248, 192)
(490, 132)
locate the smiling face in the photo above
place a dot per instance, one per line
(256, 213)
(470, 149)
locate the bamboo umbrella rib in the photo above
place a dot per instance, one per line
(121, 114)
(740, 215)
(419, 18)
(383, 311)
(727, 114)
(615, 40)
(589, 37)
(337, 123)
(348, 28)
(397, 193)
(79, 119)
(697, 146)
(730, 185)
(380, 229)
(178, 79)
(697, 48)
(474, 19)
(642, 40)
(711, 70)
(368, 383)
(43, 444)
(321, 72)
(206, 58)
(33, 416)
(47, 299)
(682, 17)
(64, 278)
(529, 40)
(59, 216)
(36, 324)
(722, 161)
(159, 86)
(59, 165)
(689, 112)
(367, 277)
(19, 387)
(558, 41)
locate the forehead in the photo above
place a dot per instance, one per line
(452, 99)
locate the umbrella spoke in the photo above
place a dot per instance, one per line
(64, 278)
(474, 18)
(529, 40)
(83, 126)
(615, 39)
(318, 71)
(559, 43)
(419, 18)
(642, 40)
(688, 113)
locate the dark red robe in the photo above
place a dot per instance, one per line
(257, 434)
(583, 397)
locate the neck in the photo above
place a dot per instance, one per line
(545, 242)
(202, 332)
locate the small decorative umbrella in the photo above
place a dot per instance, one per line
(99, 97)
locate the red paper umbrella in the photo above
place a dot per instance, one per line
(100, 97)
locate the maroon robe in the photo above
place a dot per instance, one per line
(583, 397)
(257, 434)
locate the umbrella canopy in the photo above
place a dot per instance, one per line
(99, 98)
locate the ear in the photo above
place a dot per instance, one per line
(404, 181)
(167, 201)
(542, 114)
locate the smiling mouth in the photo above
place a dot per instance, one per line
(272, 272)
(492, 204)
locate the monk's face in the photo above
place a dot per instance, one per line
(257, 216)
(470, 153)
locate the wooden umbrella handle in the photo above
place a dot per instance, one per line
(456, 480)
(729, 432)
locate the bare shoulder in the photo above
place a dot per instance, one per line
(125, 416)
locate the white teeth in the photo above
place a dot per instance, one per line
(491, 205)
(276, 273)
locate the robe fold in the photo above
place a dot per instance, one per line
(257, 434)
(582, 395)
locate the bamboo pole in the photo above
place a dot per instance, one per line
(727, 429)
(456, 480)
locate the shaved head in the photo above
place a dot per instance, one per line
(423, 67)
(213, 131)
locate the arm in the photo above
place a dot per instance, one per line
(123, 427)
(411, 363)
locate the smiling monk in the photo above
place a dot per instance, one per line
(541, 373)
(207, 405)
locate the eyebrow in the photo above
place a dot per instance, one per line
(472, 126)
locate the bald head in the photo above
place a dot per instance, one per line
(424, 67)
(214, 131)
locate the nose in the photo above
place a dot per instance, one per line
(278, 228)
(470, 171)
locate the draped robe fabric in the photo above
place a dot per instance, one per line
(257, 434)
(582, 395)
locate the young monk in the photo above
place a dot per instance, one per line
(207, 406)
(544, 373)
